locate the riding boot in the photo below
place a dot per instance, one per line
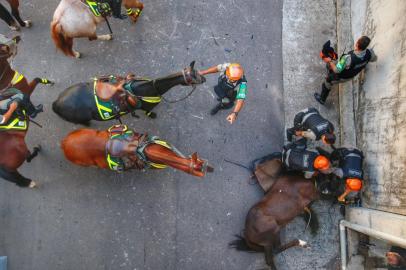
(321, 98)
(33, 111)
(116, 7)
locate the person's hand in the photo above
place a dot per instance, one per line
(298, 133)
(327, 59)
(231, 117)
(393, 258)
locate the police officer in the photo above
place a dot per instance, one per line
(311, 125)
(347, 67)
(295, 157)
(349, 169)
(232, 86)
(11, 99)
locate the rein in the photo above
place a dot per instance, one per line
(188, 82)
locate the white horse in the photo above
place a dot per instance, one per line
(73, 19)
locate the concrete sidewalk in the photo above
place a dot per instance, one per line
(306, 26)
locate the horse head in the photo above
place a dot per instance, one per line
(192, 76)
(8, 47)
(199, 167)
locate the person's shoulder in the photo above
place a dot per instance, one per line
(374, 57)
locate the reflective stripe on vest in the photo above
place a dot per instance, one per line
(352, 166)
(16, 124)
(93, 7)
(17, 78)
(316, 123)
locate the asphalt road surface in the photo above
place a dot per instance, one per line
(87, 218)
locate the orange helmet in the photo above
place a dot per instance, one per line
(234, 72)
(353, 184)
(321, 163)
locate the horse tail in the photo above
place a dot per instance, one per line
(240, 244)
(14, 177)
(61, 41)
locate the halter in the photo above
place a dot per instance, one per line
(188, 81)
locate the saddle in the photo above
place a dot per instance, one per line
(122, 148)
(267, 173)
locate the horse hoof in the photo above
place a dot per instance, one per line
(28, 23)
(15, 28)
(110, 37)
(32, 184)
(38, 148)
(303, 244)
(77, 54)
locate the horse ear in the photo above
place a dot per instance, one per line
(192, 65)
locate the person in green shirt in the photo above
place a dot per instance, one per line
(347, 67)
(231, 88)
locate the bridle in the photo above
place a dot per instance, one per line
(187, 77)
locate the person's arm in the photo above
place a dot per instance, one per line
(374, 57)
(13, 106)
(209, 71)
(241, 95)
(237, 108)
(342, 63)
(308, 134)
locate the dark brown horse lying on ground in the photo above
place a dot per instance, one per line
(6, 16)
(288, 195)
(13, 150)
(126, 150)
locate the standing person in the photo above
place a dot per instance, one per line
(311, 125)
(11, 99)
(347, 67)
(231, 88)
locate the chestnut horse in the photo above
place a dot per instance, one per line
(77, 104)
(288, 196)
(89, 147)
(6, 16)
(73, 19)
(13, 150)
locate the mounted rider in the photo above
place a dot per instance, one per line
(349, 169)
(232, 86)
(347, 67)
(309, 124)
(295, 157)
(11, 100)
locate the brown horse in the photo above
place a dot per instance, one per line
(88, 147)
(13, 150)
(8, 18)
(288, 196)
(73, 19)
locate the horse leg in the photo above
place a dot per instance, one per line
(269, 257)
(6, 16)
(14, 4)
(34, 153)
(293, 243)
(134, 10)
(101, 37)
(17, 178)
(147, 108)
